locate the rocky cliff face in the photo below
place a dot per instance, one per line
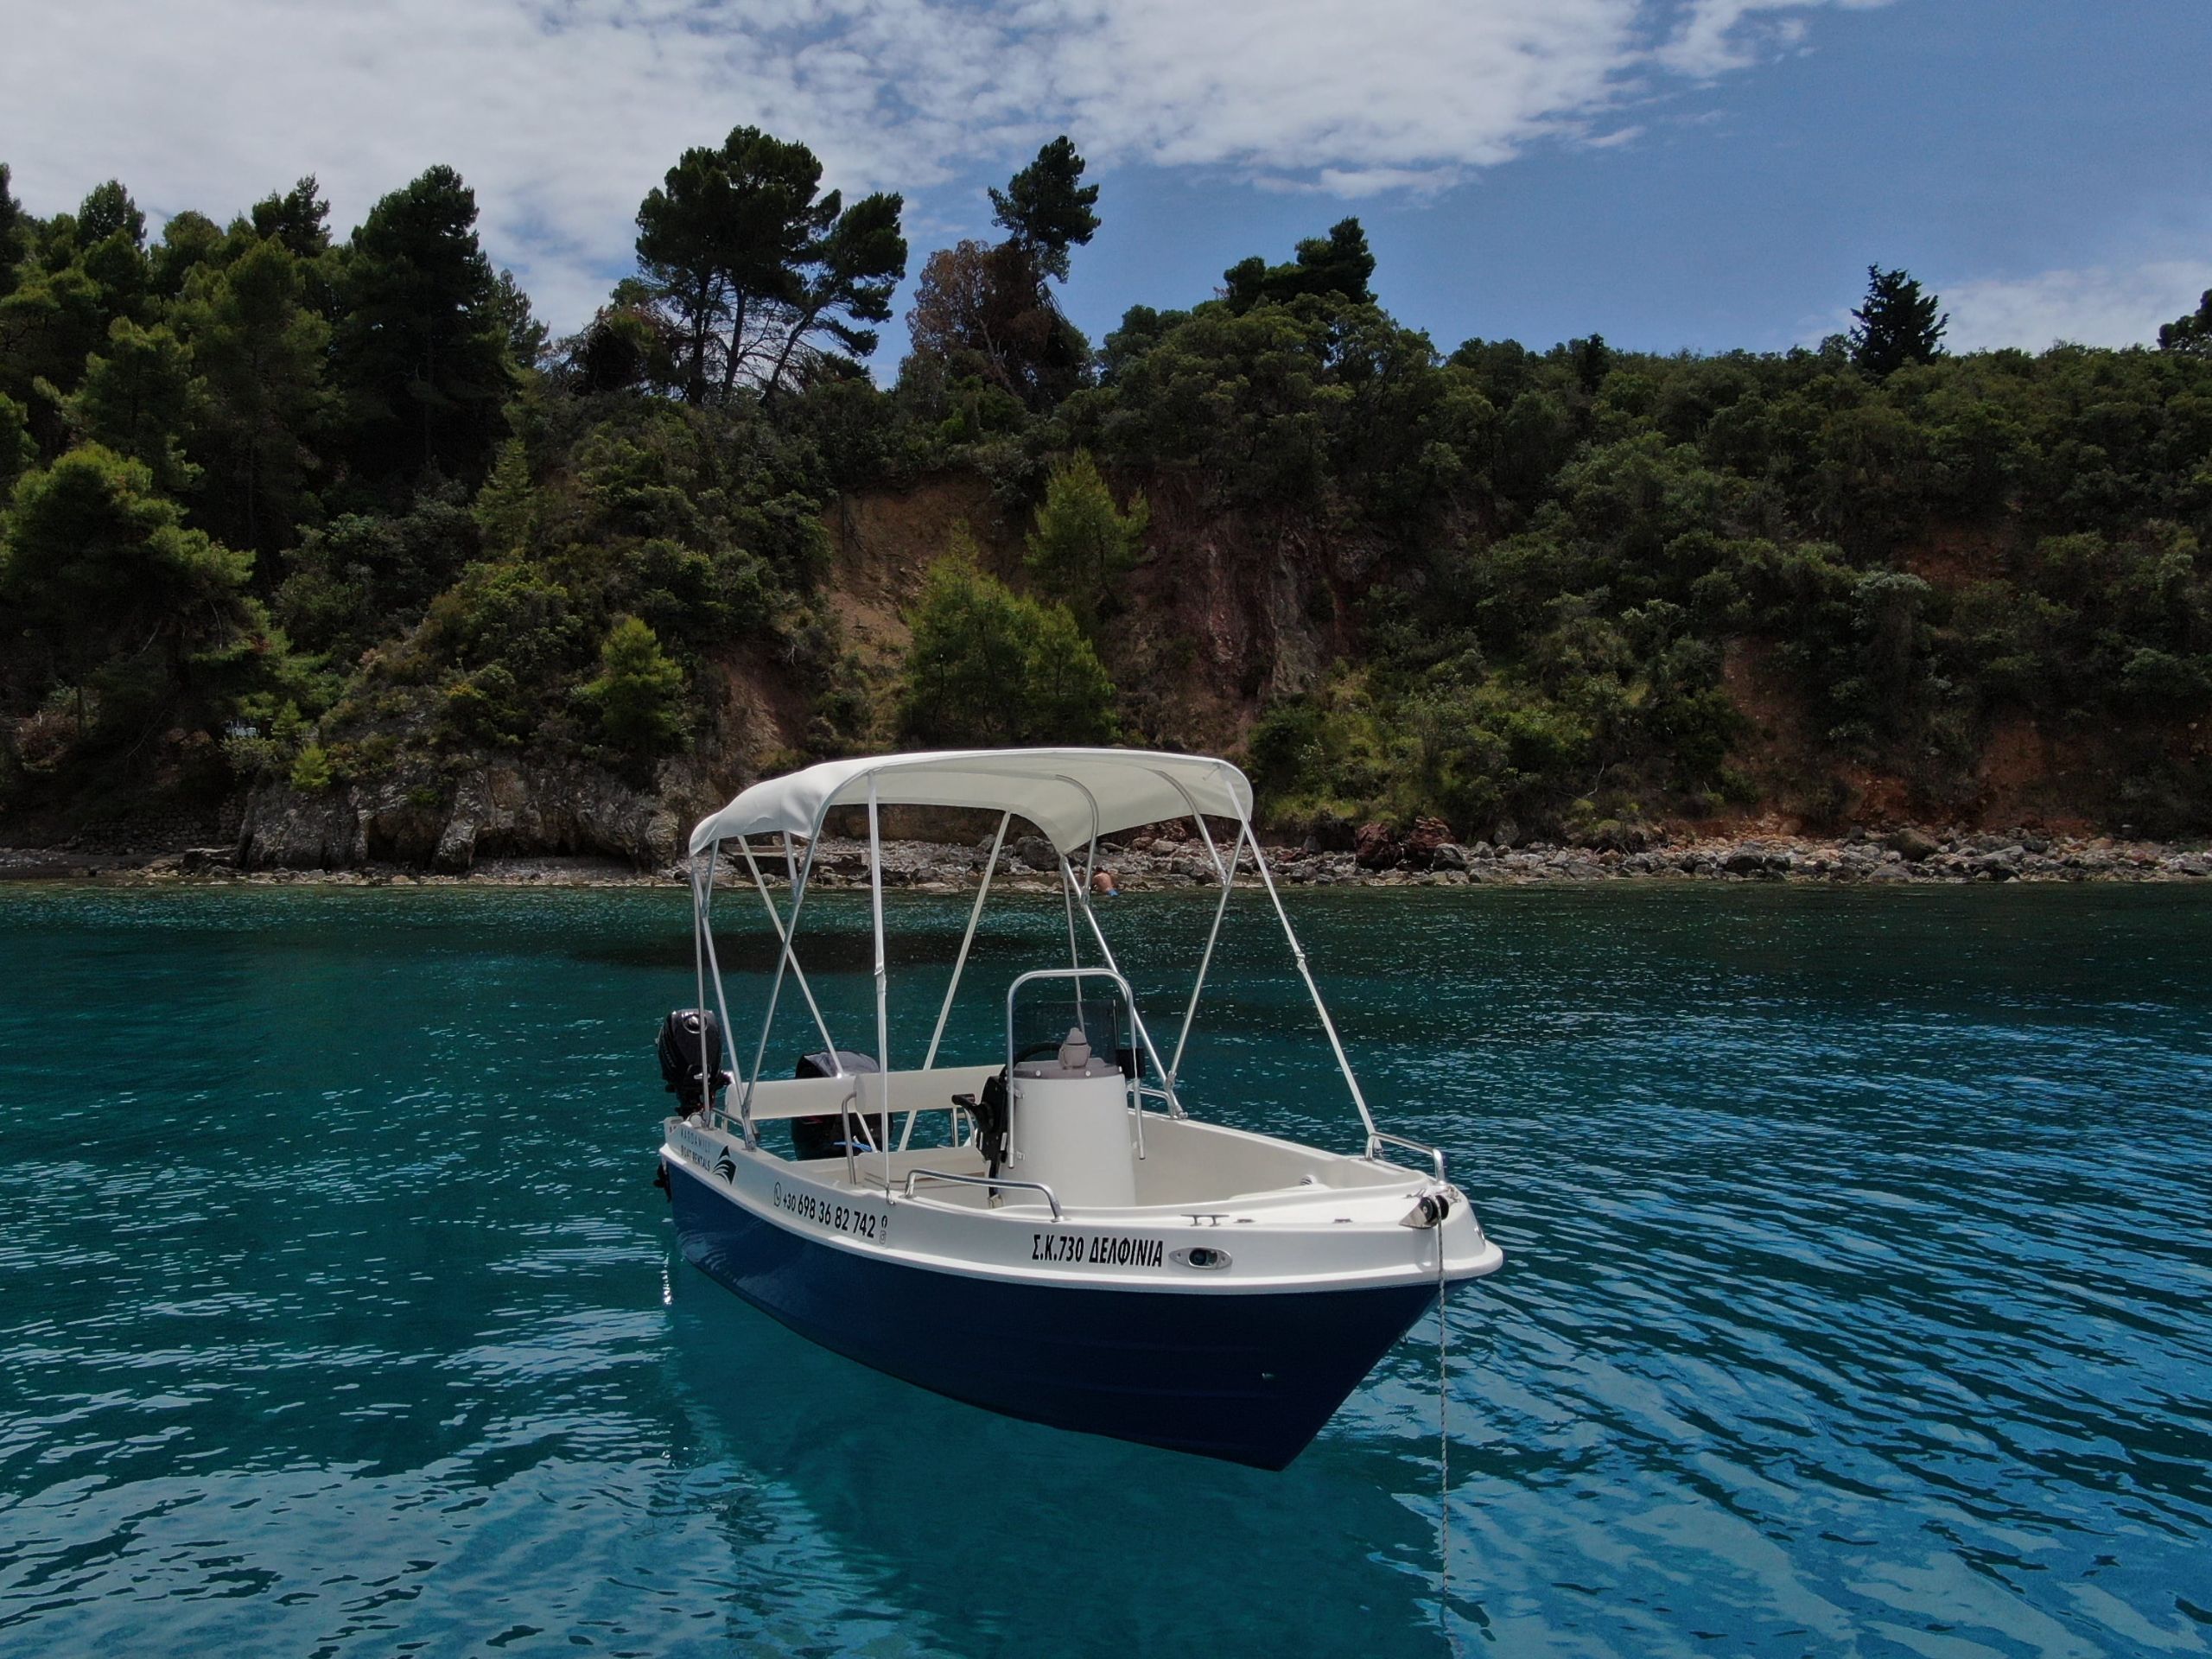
(504, 807)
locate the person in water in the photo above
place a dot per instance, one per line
(1102, 883)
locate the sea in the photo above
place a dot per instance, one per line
(1856, 1300)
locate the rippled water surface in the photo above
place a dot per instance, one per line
(1857, 1300)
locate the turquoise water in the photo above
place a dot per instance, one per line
(1856, 1298)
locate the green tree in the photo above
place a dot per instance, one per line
(987, 312)
(1048, 208)
(421, 350)
(989, 668)
(1338, 263)
(748, 262)
(110, 592)
(298, 217)
(1895, 325)
(260, 352)
(639, 695)
(847, 278)
(2191, 333)
(108, 210)
(506, 504)
(13, 236)
(138, 397)
(1082, 544)
(188, 241)
(18, 451)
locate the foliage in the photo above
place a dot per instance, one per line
(1048, 208)
(420, 343)
(1895, 325)
(1338, 263)
(267, 486)
(989, 667)
(1082, 544)
(747, 263)
(138, 397)
(2191, 333)
(985, 316)
(259, 351)
(108, 599)
(638, 694)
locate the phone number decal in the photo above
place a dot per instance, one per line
(827, 1213)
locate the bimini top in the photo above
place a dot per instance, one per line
(1070, 794)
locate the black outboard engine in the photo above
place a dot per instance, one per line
(824, 1135)
(690, 1049)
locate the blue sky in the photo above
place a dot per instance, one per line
(1701, 174)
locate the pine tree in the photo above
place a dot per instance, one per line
(138, 397)
(260, 352)
(1896, 325)
(1082, 544)
(421, 349)
(2191, 335)
(639, 691)
(1048, 208)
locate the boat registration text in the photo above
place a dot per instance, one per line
(1100, 1251)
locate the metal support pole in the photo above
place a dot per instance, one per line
(775, 990)
(1136, 1019)
(1298, 955)
(784, 943)
(882, 980)
(959, 966)
(721, 998)
(1206, 962)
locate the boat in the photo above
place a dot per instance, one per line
(1061, 1240)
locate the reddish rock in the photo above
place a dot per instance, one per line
(1376, 847)
(1423, 840)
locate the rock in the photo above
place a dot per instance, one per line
(1745, 861)
(195, 861)
(1423, 840)
(1376, 847)
(1449, 855)
(1912, 843)
(1036, 853)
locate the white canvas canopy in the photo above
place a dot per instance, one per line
(1070, 794)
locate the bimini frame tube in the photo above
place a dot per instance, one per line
(775, 990)
(959, 966)
(784, 943)
(705, 941)
(882, 983)
(1228, 875)
(1298, 955)
(1136, 1019)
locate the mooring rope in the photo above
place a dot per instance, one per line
(1443, 1459)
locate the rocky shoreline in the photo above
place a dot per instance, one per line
(1166, 860)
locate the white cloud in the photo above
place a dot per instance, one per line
(1715, 36)
(563, 113)
(2099, 306)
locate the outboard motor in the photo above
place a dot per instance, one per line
(824, 1135)
(690, 1049)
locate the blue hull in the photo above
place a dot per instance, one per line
(1249, 1378)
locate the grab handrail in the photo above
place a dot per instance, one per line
(1129, 997)
(1434, 1155)
(913, 1175)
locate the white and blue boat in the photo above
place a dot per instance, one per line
(1040, 1229)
